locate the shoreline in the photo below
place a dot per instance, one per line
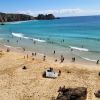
(53, 58)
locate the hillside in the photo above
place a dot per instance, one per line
(5, 17)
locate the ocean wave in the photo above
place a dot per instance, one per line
(80, 49)
(85, 58)
(89, 59)
(8, 46)
(20, 35)
(18, 22)
(38, 40)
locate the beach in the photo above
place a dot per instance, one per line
(68, 45)
(19, 84)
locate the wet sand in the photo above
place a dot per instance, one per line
(19, 84)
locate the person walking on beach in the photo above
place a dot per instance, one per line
(23, 49)
(32, 54)
(73, 59)
(62, 58)
(97, 62)
(44, 58)
(8, 50)
(27, 56)
(35, 53)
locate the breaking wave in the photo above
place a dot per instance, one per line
(77, 48)
(20, 35)
(89, 59)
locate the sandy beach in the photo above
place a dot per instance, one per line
(19, 84)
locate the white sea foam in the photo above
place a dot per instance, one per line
(38, 40)
(26, 38)
(89, 59)
(20, 35)
(8, 46)
(18, 22)
(77, 48)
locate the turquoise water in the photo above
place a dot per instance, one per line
(82, 34)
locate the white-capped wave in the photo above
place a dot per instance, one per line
(26, 38)
(18, 22)
(89, 59)
(38, 40)
(8, 46)
(20, 35)
(77, 48)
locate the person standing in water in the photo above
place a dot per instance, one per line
(54, 52)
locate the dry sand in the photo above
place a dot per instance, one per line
(19, 84)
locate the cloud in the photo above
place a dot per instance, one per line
(64, 12)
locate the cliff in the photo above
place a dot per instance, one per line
(14, 17)
(45, 17)
(4, 17)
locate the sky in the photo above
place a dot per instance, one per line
(59, 8)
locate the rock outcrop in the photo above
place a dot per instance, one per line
(14, 17)
(5, 17)
(45, 17)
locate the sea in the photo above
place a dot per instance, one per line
(68, 36)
